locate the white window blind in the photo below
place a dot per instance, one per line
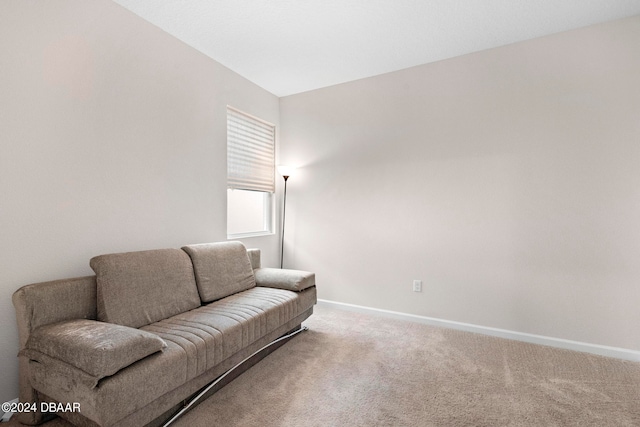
(250, 152)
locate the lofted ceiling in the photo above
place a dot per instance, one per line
(292, 46)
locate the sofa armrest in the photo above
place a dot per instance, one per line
(97, 348)
(292, 280)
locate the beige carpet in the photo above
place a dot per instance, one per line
(361, 370)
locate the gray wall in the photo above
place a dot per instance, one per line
(507, 180)
(113, 138)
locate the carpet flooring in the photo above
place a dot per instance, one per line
(353, 369)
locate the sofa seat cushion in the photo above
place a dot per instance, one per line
(97, 348)
(138, 288)
(211, 333)
(221, 269)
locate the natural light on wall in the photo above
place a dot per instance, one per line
(250, 175)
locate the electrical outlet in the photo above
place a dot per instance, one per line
(417, 286)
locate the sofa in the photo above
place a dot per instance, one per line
(131, 344)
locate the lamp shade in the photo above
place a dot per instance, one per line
(286, 170)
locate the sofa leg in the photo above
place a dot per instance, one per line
(204, 391)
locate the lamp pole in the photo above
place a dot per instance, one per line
(284, 211)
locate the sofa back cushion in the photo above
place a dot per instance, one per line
(138, 288)
(221, 269)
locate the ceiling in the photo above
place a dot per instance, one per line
(292, 46)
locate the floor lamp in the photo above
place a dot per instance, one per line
(286, 172)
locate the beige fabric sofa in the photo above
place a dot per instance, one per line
(150, 329)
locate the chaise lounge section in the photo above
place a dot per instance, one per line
(150, 329)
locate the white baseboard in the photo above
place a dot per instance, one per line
(601, 350)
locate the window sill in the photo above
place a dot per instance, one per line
(252, 234)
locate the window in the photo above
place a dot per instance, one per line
(250, 175)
